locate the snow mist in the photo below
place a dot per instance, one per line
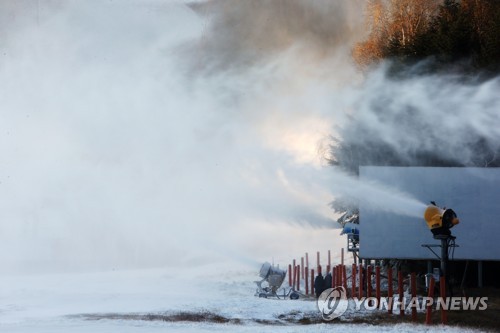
(149, 133)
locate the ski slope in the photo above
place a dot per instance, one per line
(147, 301)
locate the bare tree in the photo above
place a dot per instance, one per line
(393, 26)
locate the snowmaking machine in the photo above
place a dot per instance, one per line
(272, 279)
(440, 221)
(352, 232)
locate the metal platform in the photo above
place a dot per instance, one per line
(430, 246)
(447, 244)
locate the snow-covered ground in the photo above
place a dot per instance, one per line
(121, 301)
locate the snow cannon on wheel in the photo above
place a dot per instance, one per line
(272, 279)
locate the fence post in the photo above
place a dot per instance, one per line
(389, 290)
(339, 275)
(400, 291)
(377, 284)
(413, 282)
(353, 280)
(369, 282)
(333, 277)
(312, 282)
(430, 295)
(442, 287)
(302, 267)
(306, 282)
(344, 277)
(317, 261)
(329, 259)
(360, 295)
(298, 278)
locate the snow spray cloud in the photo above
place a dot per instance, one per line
(423, 120)
(143, 133)
(116, 153)
(304, 49)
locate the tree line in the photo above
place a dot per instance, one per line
(458, 34)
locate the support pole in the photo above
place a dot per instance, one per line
(289, 275)
(342, 256)
(329, 259)
(444, 257)
(307, 260)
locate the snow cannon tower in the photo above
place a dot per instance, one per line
(440, 221)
